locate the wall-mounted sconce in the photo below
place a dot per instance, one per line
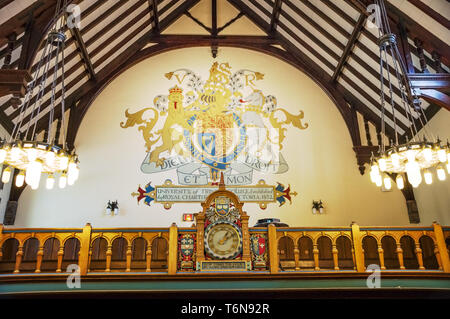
(112, 208)
(317, 207)
(188, 217)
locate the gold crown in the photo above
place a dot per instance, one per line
(222, 200)
(175, 89)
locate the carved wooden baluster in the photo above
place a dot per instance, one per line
(89, 259)
(148, 257)
(418, 252)
(316, 257)
(39, 256)
(11, 43)
(381, 256)
(335, 258)
(297, 256)
(437, 60)
(353, 258)
(438, 256)
(423, 63)
(60, 258)
(363, 258)
(128, 258)
(400, 256)
(19, 255)
(108, 258)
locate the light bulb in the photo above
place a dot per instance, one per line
(413, 173)
(50, 181)
(387, 182)
(372, 176)
(440, 173)
(410, 155)
(72, 173)
(32, 154)
(382, 164)
(399, 181)
(6, 175)
(34, 186)
(442, 155)
(374, 172)
(15, 153)
(62, 180)
(2, 155)
(20, 178)
(33, 174)
(428, 177)
(428, 154)
(50, 158)
(395, 159)
(378, 181)
(63, 162)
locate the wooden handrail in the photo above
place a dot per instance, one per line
(354, 234)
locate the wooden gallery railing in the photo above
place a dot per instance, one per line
(155, 250)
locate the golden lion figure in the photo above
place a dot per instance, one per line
(211, 105)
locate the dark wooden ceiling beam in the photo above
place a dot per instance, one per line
(275, 15)
(166, 22)
(126, 13)
(430, 12)
(431, 42)
(437, 97)
(230, 22)
(375, 57)
(260, 22)
(4, 3)
(153, 4)
(430, 80)
(14, 81)
(176, 13)
(201, 24)
(335, 56)
(95, 37)
(205, 40)
(18, 22)
(349, 47)
(214, 18)
(93, 54)
(119, 33)
(106, 74)
(84, 55)
(71, 40)
(86, 29)
(305, 64)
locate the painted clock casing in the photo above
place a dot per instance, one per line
(223, 226)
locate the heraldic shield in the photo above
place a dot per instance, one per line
(216, 140)
(222, 205)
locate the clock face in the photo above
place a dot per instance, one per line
(223, 240)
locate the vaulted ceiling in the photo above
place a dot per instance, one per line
(328, 39)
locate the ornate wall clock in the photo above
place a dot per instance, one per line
(223, 240)
(222, 230)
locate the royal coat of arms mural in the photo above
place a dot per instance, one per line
(202, 129)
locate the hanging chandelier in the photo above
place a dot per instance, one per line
(417, 156)
(23, 151)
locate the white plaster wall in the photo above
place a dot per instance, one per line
(322, 162)
(433, 201)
